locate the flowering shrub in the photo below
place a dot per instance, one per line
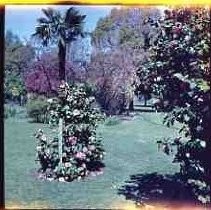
(82, 150)
(179, 71)
(42, 75)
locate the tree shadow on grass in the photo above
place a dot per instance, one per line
(157, 188)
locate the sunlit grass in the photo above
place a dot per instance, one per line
(130, 149)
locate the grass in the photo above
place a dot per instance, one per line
(130, 149)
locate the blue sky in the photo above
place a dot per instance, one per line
(22, 19)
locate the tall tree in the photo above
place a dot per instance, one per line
(119, 44)
(18, 56)
(56, 28)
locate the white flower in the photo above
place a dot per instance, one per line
(91, 138)
(85, 149)
(51, 112)
(192, 85)
(158, 79)
(203, 144)
(179, 76)
(101, 156)
(187, 38)
(50, 100)
(44, 138)
(61, 179)
(67, 164)
(39, 148)
(76, 112)
(83, 165)
(204, 199)
(187, 155)
(69, 98)
(91, 99)
(187, 104)
(192, 50)
(201, 169)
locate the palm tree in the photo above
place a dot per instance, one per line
(59, 29)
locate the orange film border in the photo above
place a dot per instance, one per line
(108, 2)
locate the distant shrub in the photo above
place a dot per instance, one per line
(37, 110)
(9, 111)
(110, 121)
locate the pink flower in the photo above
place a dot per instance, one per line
(80, 155)
(91, 147)
(83, 165)
(72, 140)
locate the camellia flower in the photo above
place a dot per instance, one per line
(39, 148)
(203, 144)
(69, 98)
(61, 179)
(91, 138)
(85, 149)
(83, 165)
(91, 147)
(44, 138)
(50, 100)
(72, 140)
(187, 155)
(67, 164)
(76, 112)
(80, 155)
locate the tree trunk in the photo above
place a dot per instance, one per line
(60, 137)
(62, 60)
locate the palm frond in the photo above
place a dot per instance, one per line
(49, 12)
(43, 32)
(54, 27)
(73, 17)
(42, 20)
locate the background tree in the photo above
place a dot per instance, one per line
(43, 75)
(118, 46)
(18, 56)
(60, 29)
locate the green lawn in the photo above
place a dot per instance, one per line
(130, 149)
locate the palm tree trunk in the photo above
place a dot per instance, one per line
(62, 60)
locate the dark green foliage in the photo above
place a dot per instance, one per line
(110, 121)
(9, 111)
(14, 111)
(103, 26)
(179, 74)
(82, 150)
(18, 56)
(37, 109)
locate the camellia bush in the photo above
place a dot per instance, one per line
(77, 150)
(179, 71)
